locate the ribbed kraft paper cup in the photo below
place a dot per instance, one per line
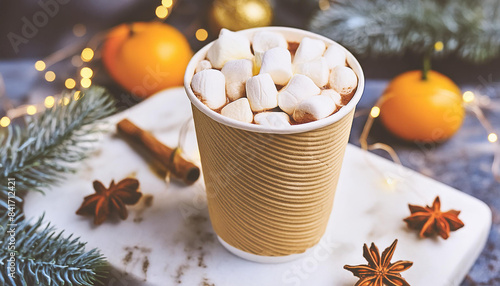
(270, 191)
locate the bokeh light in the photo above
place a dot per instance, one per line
(375, 112)
(492, 137)
(49, 101)
(86, 82)
(76, 61)
(201, 35)
(439, 46)
(50, 76)
(468, 96)
(40, 65)
(167, 3)
(5, 121)
(87, 54)
(324, 5)
(31, 110)
(70, 83)
(79, 30)
(64, 101)
(161, 12)
(77, 95)
(86, 72)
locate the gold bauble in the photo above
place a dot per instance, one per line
(240, 14)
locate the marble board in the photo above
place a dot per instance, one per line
(168, 240)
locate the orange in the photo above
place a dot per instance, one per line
(428, 110)
(145, 57)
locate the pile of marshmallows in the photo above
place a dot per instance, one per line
(313, 85)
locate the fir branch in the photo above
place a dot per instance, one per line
(39, 154)
(483, 43)
(44, 257)
(471, 29)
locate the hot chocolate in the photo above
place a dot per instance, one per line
(269, 77)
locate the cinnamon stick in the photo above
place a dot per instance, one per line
(169, 158)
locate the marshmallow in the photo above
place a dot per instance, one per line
(343, 80)
(317, 70)
(265, 40)
(209, 86)
(225, 31)
(272, 119)
(314, 108)
(299, 88)
(237, 72)
(278, 63)
(203, 65)
(262, 92)
(257, 62)
(308, 50)
(335, 96)
(238, 110)
(229, 46)
(335, 56)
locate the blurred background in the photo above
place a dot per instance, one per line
(49, 46)
(73, 23)
(39, 28)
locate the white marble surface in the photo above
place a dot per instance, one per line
(171, 242)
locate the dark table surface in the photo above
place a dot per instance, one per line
(463, 162)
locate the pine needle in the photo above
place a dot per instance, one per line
(471, 29)
(45, 257)
(46, 148)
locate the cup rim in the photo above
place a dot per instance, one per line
(304, 127)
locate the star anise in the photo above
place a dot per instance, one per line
(431, 221)
(107, 201)
(380, 271)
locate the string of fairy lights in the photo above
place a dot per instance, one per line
(474, 103)
(80, 58)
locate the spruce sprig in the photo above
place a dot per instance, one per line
(471, 29)
(46, 257)
(47, 146)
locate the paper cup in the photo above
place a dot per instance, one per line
(270, 191)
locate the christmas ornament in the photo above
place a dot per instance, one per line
(240, 14)
(105, 201)
(417, 109)
(431, 220)
(146, 57)
(380, 271)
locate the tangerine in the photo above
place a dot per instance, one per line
(427, 110)
(146, 57)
